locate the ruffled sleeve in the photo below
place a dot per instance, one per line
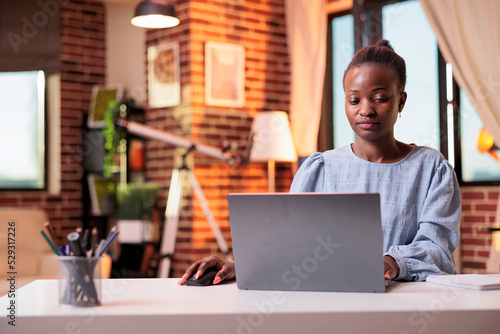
(431, 250)
(310, 176)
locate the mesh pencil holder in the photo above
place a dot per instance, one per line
(79, 280)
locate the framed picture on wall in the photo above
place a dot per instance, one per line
(224, 74)
(102, 193)
(164, 84)
(99, 102)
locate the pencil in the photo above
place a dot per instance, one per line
(50, 243)
(109, 241)
(114, 228)
(98, 249)
(52, 234)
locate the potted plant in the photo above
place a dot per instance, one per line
(136, 203)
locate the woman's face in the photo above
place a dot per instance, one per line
(372, 101)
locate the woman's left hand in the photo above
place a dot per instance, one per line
(391, 268)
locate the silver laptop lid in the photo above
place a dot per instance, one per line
(307, 242)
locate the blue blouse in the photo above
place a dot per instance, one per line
(420, 203)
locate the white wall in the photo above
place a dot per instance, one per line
(125, 52)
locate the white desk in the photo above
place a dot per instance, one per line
(160, 306)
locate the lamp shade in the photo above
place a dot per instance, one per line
(155, 14)
(272, 138)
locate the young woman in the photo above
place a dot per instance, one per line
(419, 192)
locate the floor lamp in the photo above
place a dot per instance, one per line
(272, 142)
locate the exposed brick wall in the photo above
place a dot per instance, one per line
(479, 205)
(260, 27)
(83, 65)
(83, 57)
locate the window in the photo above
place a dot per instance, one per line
(436, 114)
(411, 36)
(343, 51)
(22, 130)
(473, 163)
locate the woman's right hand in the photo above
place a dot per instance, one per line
(226, 269)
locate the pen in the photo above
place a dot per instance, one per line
(85, 240)
(61, 250)
(74, 241)
(93, 244)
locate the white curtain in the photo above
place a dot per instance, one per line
(306, 22)
(468, 34)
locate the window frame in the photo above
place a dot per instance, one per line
(45, 117)
(325, 135)
(362, 37)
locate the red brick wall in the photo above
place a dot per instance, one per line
(260, 27)
(83, 58)
(479, 205)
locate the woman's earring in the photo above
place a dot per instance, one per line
(400, 114)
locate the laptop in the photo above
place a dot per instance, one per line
(307, 241)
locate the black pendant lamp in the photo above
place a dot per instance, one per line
(155, 14)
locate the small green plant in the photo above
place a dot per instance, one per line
(135, 201)
(114, 137)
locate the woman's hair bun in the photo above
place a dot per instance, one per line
(384, 43)
(381, 53)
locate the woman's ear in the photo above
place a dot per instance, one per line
(402, 101)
